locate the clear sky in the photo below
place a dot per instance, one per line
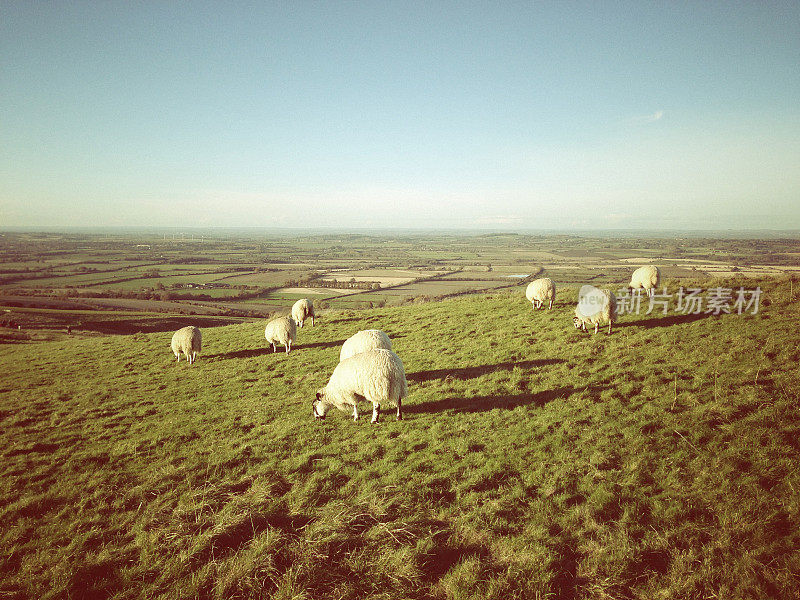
(400, 114)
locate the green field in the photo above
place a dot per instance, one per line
(534, 460)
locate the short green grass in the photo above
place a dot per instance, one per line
(534, 461)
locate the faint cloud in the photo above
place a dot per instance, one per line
(498, 221)
(656, 116)
(617, 218)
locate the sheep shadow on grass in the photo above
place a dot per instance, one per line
(665, 321)
(253, 352)
(502, 401)
(247, 353)
(318, 345)
(464, 373)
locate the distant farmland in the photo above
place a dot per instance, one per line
(257, 275)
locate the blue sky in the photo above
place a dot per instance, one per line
(400, 114)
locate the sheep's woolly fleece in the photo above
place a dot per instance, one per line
(188, 340)
(368, 339)
(281, 331)
(302, 310)
(646, 277)
(540, 290)
(375, 375)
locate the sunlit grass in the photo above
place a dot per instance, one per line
(533, 461)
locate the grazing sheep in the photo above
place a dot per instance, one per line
(188, 340)
(646, 278)
(377, 376)
(368, 339)
(302, 310)
(540, 290)
(607, 311)
(281, 331)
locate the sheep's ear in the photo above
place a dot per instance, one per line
(319, 395)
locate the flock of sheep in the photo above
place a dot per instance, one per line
(604, 309)
(369, 370)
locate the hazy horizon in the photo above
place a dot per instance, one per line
(380, 116)
(249, 231)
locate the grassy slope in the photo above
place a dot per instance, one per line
(534, 461)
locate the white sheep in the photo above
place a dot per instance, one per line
(302, 310)
(188, 340)
(376, 376)
(540, 290)
(646, 278)
(281, 331)
(602, 311)
(368, 339)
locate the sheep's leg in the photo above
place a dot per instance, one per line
(376, 411)
(551, 304)
(355, 413)
(399, 409)
(312, 321)
(596, 326)
(609, 328)
(288, 346)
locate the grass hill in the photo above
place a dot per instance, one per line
(534, 460)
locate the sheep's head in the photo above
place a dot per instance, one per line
(577, 322)
(320, 407)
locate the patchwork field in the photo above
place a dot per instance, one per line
(534, 460)
(259, 274)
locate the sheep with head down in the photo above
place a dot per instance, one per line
(303, 310)
(375, 376)
(595, 307)
(281, 331)
(367, 339)
(540, 290)
(188, 340)
(646, 278)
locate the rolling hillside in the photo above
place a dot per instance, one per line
(534, 460)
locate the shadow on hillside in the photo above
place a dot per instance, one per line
(252, 352)
(506, 402)
(473, 372)
(319, 345)
(665, 321)
(248, 353)
(131, 326)
(567, 581)
(234, 536)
